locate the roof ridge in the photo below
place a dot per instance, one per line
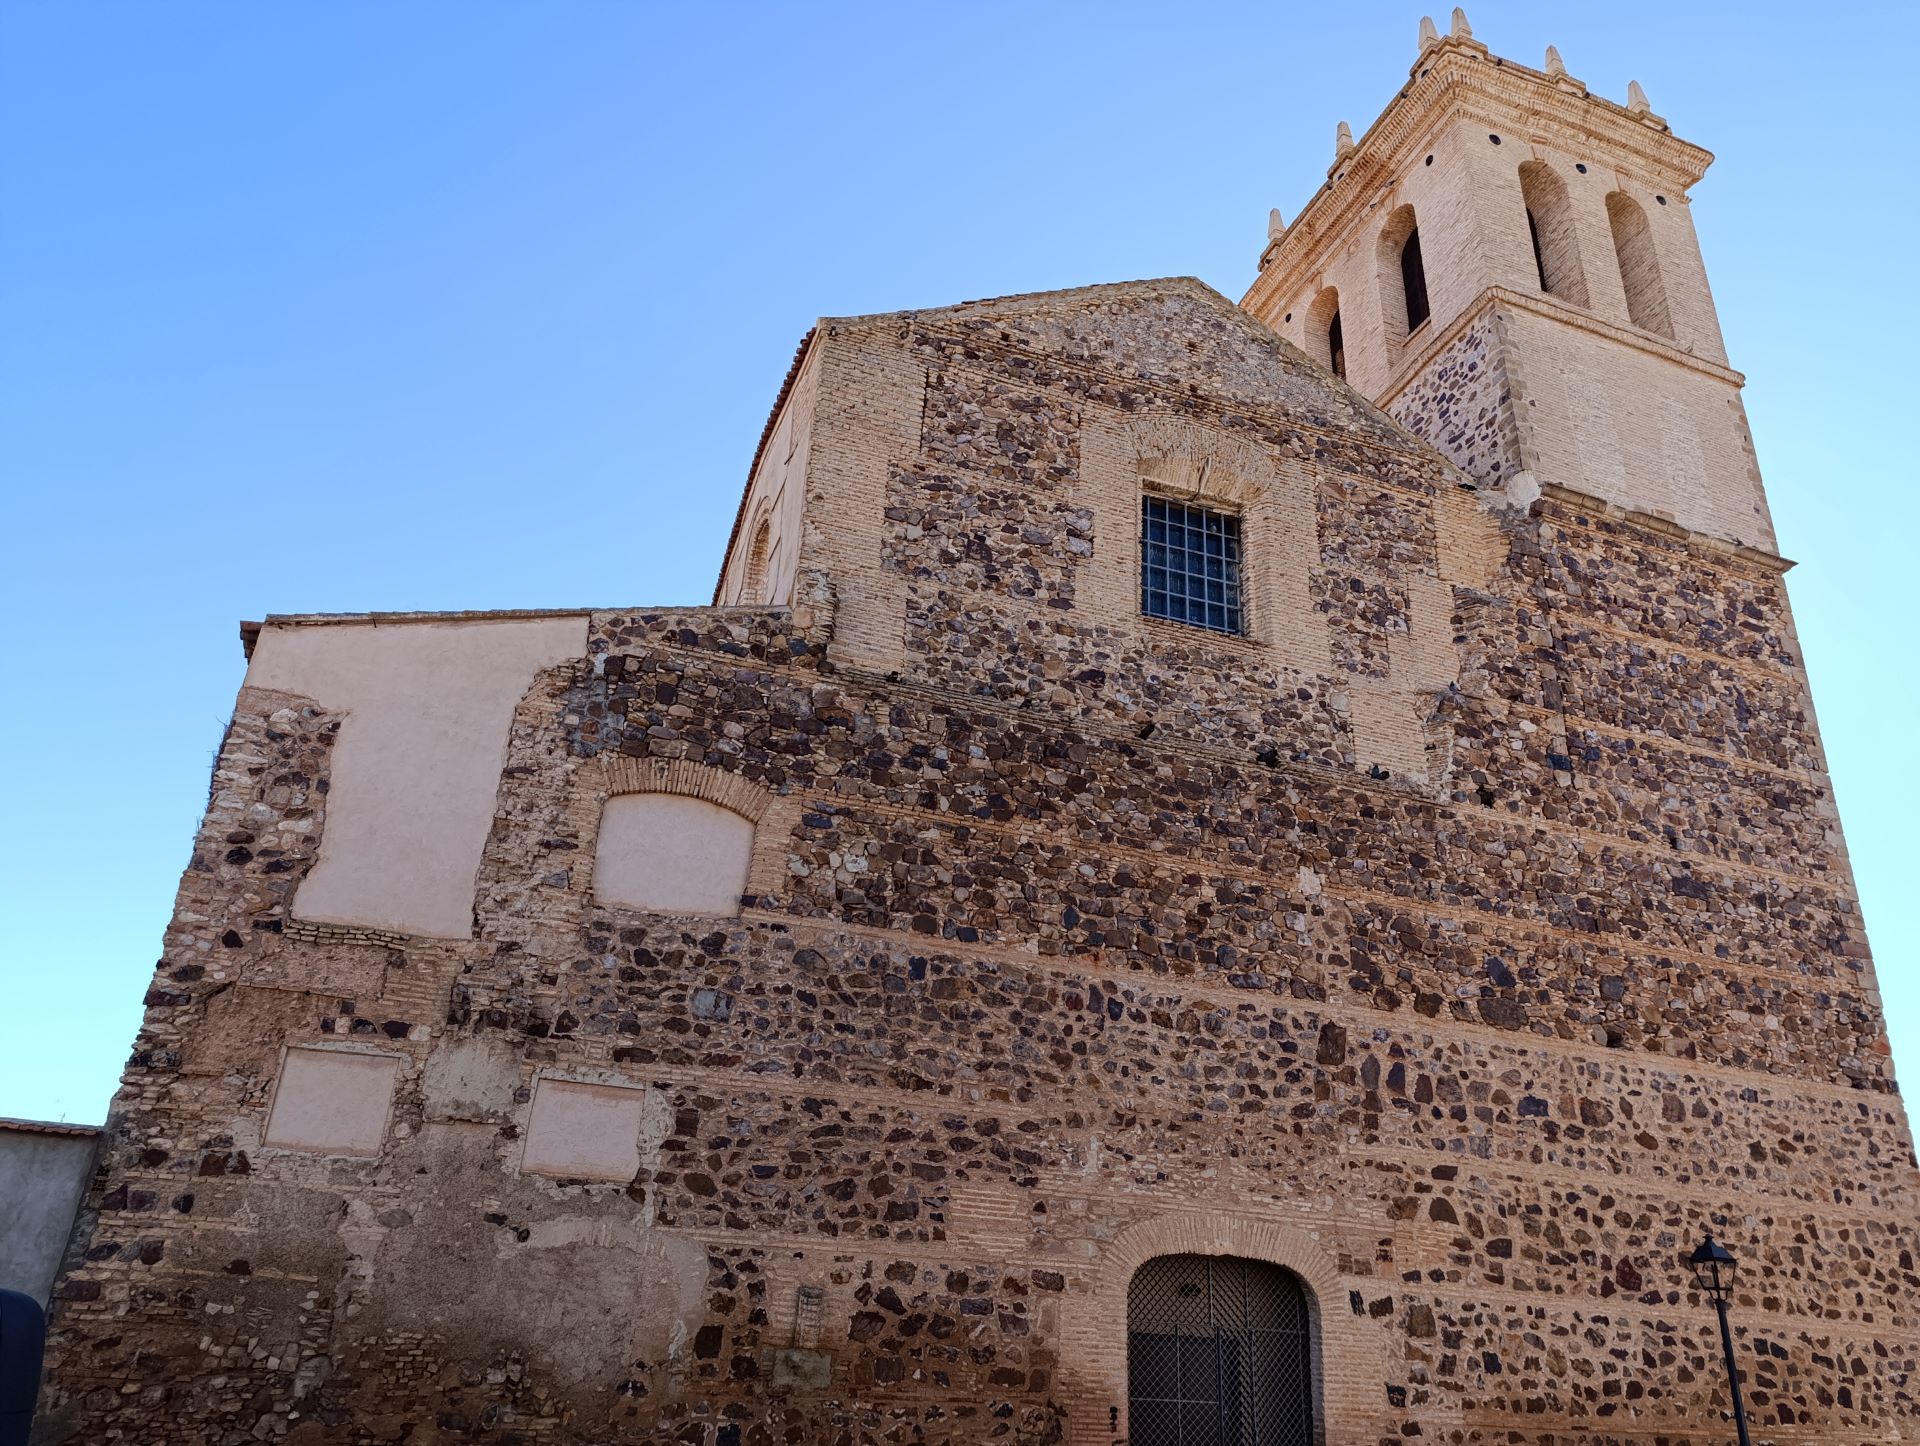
(1056, 294)
(47, 1127)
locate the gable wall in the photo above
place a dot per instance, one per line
(776, 498)
(977, 504)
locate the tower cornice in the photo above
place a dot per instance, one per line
(1457, 78)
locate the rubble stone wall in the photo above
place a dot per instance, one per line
(1463, 403)
(1466, 938)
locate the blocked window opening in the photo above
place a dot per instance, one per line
(1556, 241)
(1639, 265)
(1219, 1349)
(671, 854)
(581, 1131)
(754, 590)
(1190, 564)
(332, 1102)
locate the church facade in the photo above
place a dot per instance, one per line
(1215, 873)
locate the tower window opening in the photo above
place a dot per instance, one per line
(1190, 564)
(1402, 279)
(1323, 337)
(1219, 1350)
(1639, 265)
(1413, 281)
(1553, 232)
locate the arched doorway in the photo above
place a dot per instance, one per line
(1219, 1353)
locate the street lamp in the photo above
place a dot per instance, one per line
(1712, 1268)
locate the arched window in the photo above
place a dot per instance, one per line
(1556, 243)
(1413, 281)
(1326, 340)
(1403, 277)
(753, 591)
(1219, 1350)
(1639, 265)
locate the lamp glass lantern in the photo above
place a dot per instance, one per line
(1712, 1265)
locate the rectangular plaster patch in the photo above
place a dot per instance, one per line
(332, 1101)
(584, 1131)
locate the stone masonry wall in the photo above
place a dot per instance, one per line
(1462, 403)
(1026, 990)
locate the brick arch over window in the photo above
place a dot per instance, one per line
(1173, 457)
(733, 829)
(1199, 464)
(1349, 1351)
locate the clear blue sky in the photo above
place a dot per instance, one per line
(334, 307)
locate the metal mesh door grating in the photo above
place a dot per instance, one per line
(1218, 1354)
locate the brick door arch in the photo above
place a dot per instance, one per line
(1348, 1351)
(1219, 1349)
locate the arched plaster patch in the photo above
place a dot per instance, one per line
(670, 854)
(613, 775)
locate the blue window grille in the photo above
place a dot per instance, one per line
(1190, 565)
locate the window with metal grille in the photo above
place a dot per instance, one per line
(1190, 564)
(1218, 1354)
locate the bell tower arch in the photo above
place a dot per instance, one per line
(1563, 333)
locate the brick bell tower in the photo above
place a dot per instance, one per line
(1505, 262)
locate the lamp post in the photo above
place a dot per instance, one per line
(1712, 1268)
